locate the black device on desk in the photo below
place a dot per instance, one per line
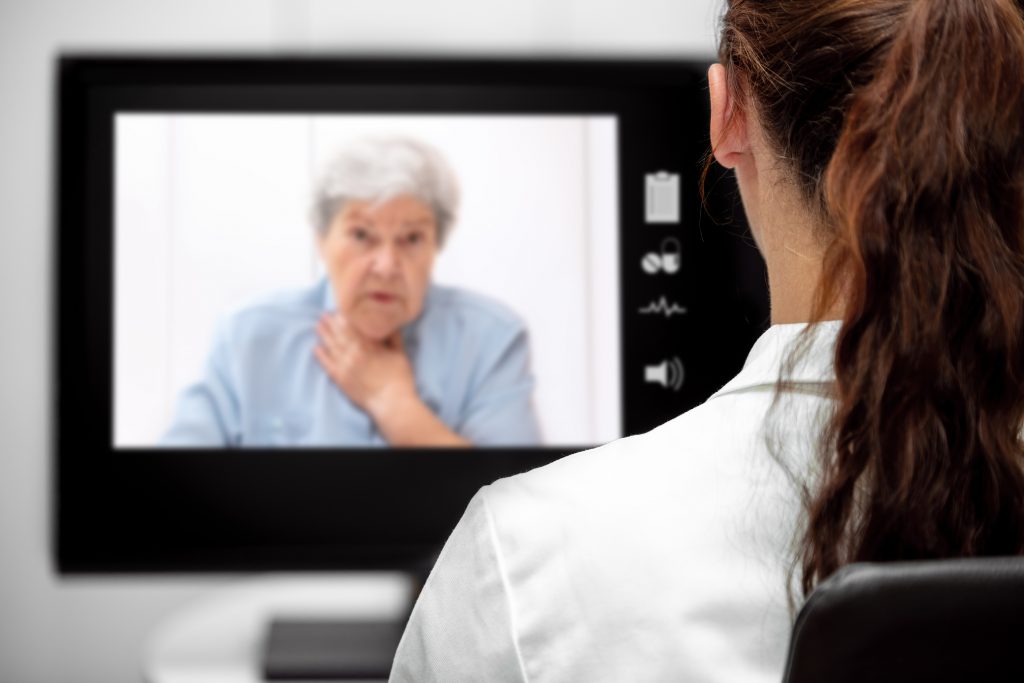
(181, 191)
(298, 650)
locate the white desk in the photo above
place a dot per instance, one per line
(219, 638)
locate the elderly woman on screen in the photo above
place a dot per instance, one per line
(374, 353)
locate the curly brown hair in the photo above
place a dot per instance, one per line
(903, 124)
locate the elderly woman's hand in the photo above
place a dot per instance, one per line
(376, 376)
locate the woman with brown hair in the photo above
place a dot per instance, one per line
(879, 150)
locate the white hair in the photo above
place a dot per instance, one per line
(380, 168)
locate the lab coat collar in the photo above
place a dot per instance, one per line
(770, 350)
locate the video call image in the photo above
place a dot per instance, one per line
(353, 281)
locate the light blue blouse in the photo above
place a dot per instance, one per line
(262, 386)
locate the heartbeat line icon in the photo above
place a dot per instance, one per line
(664, 307)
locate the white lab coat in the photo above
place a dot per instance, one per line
(659, 557)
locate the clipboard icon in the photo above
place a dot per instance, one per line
(662, 197)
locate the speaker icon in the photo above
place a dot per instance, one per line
(668, 373)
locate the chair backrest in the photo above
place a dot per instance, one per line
(937, 621)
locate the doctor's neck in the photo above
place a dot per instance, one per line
(792, 240)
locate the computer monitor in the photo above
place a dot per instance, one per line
(222, 222)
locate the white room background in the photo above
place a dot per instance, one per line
(211, 213)
(93, 629)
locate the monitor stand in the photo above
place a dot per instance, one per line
(315, 626)
(332, 649)
(321, 649)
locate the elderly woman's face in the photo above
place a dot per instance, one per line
(379, 258)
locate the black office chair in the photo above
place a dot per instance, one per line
(937, 621)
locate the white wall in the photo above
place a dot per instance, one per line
(56, 630)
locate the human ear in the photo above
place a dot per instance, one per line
(728, 125)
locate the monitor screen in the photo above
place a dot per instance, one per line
(306, 307)
(224, 265)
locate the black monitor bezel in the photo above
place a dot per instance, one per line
(163, 510)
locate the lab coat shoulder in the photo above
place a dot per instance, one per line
(662, 556)
(659, 556)
(605, 553)
(462, 626)
(712, 439)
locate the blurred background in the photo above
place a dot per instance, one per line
(94, 629)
